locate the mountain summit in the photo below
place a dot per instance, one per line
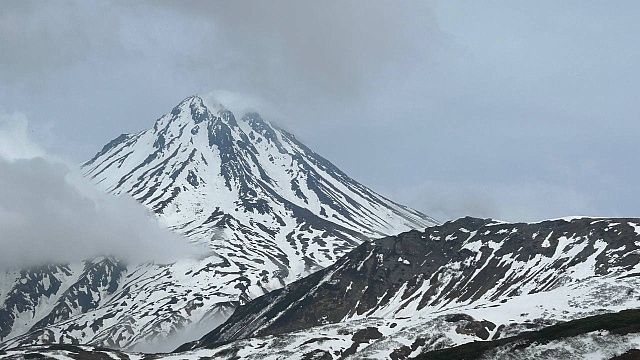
(268, 208)
(276, 201)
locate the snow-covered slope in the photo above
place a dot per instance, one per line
(268, 209)
(466, 280)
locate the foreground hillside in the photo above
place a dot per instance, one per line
(614, 336)
(468, 289)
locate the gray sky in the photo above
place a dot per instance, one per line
(507, 109)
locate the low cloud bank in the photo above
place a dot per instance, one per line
(51, 214)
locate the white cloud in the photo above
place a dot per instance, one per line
(14, 138)
(49, 213)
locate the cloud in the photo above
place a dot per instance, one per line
(524, 201)
(240, 103)
(14, 138)
(329, 47)
(40, 40)
(49, 213)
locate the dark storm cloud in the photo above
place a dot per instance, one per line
(507, 109)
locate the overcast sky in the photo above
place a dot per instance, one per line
(507, 109)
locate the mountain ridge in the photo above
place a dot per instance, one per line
(465, 280)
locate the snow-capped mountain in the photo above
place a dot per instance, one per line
(276, 201)
(268, 209)
(466, 280)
